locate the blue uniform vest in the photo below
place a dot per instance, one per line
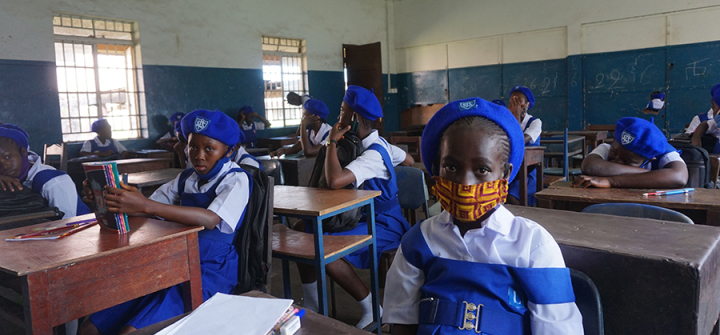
(96, 147)
(250, 136)
(514, 187)
(42, 177)
(479, 297)
(703, 117)
(243, 156)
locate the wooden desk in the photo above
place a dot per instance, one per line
(702, 205)
(274, 143)
(152, 153)
(654, 277)
(94, 269)
(533, 156)
(314, 205)
(413, 143)
(152, 178)
(296, 169)
(312, 323)
(258, 151)
(593, 138)
(571, 140)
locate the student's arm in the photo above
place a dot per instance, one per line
(672, 175)
(336, 176)
(402, 295)
(86, 149)
(533, 131)
(594, 165)
(128, 199)
(263, 120)
(295, 148)
(404, 329)
(408, 161)
(60, 193)
(165, 138)
(10, 183)
(308, 148)
(701, 130)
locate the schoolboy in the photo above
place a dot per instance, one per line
(522, 100)
(103, 144)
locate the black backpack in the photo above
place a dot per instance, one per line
(698, 164)
(251, 240)
(348, 148)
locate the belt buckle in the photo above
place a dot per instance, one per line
(471, 317)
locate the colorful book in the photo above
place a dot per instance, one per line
(99, 175)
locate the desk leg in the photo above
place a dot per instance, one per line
(320, 267)
(192, 289)
(372, 249)
(712, 218)
(36, 304)
(523, 175)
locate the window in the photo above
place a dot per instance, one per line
(284, 71)
(98, 75)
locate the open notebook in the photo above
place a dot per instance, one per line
(231, 314)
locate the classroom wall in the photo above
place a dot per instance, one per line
(586, 61)
(195, 54)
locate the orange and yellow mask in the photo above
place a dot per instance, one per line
(469, 203)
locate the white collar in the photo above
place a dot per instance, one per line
(370, 139)
(108, 142)
(499, 221)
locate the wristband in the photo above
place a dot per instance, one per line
(331, 141)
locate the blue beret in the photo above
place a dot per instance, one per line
(316, 107)
(215, 124)
(499, 102)
(246, 109)
(99, 125)
(714, 89)
(176, 117)
(363, 102)
(15, 133)
(641, 137)
(430, 142)
(528, 94)
(658, 95)
(716, 97)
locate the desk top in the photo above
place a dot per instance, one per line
(639, 237)
(133, 161)
(291, 157)
(577, 132)
(701, 198)
(282, 138)
(150, 178)
(22, 258)
(309, 201)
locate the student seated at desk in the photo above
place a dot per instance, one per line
(316, 130)
(710, 127)
(103, 144)
(476, 251)
(169, 139)
(702, 117)
(640, 157)
(374, 169)
(21, 168)
(250, 127)
(521, 100)
(657, 102)
(213, 194)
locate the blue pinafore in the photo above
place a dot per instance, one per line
(250, 136)
(514, 187)
(390, 224)
(480, 298)
(44, 176)
(218, 264)
(243, 157)
(96, 147)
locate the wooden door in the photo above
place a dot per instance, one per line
(364, 68)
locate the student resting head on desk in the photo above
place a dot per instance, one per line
(521, 100)
(212, 194)
(103, 144)
(640, 157)
(709, 115)
(249, 127)
(168, 140)
(374, 169)
(476, 253)
(20, 168)
(315, 132)
(710, 126)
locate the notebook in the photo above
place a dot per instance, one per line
(99, 175)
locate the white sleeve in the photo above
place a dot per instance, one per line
(87, 147)
(164, 137)
(397, 155)
(259, 125)
(120, 148)
(232, 198)
(249, 161)
(401, 304)
(167, 193)
(368, 166)
(534, 129)
(693, 125)
(564, 318)
(60, 193)
(602, 150)
(669, 157)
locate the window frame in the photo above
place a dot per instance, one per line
(302, 55)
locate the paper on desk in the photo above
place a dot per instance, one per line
(227, 314)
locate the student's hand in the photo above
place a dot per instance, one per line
(306, 121)
(336, 133)
(278, 152)
(516, 106)
(696, 142)
(126, 199)
(88, 196)
(241, 118)
(591, 181)
(251, 116)
(10, 183)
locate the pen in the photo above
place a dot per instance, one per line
(73, 231)
(685, 190)
(45, 232)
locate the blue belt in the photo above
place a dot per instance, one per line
(469, 316)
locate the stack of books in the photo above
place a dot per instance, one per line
(100, 175)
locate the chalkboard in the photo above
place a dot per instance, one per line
(422, 88)
(626, 71)
(694, 65)
(481, 81)
(545, 78)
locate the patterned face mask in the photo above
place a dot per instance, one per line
(469, 203)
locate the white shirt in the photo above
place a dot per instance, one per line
(87, 146)
(232, 195)
(534, 129)
(713, 126)
(167, 136)
(696, 122)
(603, 151)
(59, 191)
(258, 125)
(503, 239)
(247, 161)
(370, 163)
(317, 138)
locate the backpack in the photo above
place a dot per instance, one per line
(23, 201)
(251, 240)
(698, 164)
(348, 149)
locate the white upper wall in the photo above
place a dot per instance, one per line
(217, 33)
(519, 30)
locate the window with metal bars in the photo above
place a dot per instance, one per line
(98, 76)
(284, 71)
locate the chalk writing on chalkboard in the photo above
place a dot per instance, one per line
(694, 69)
(573, 82)
(544, 85)
(617, 77)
